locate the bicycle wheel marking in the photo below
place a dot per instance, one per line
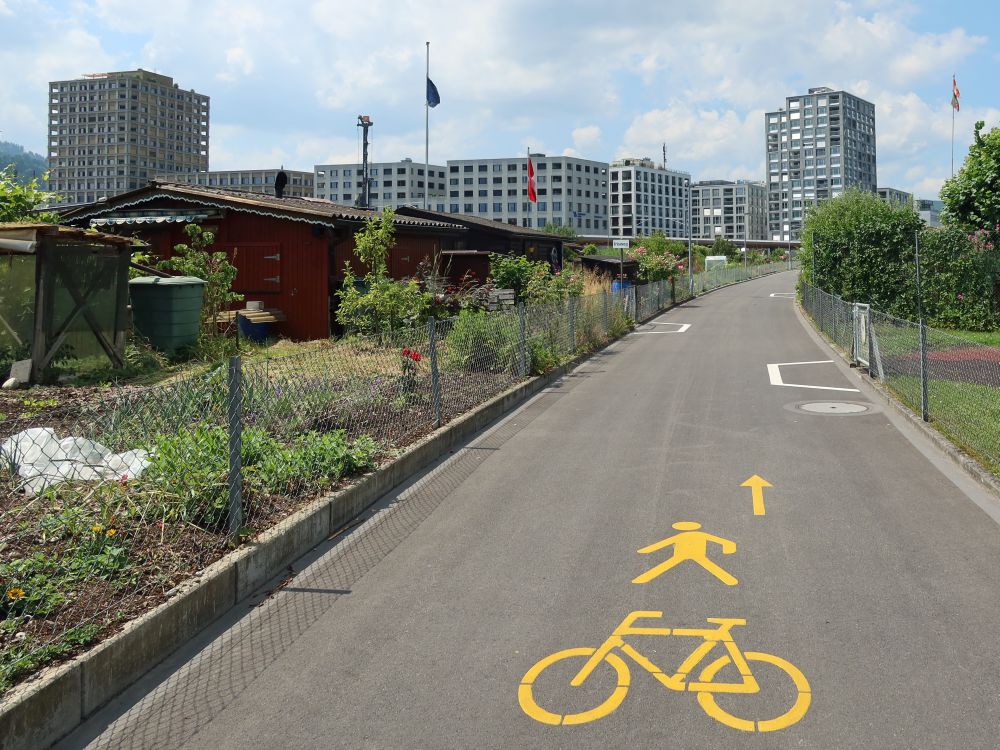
(530, 706)
(708, 703)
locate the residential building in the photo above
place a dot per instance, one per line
(894, 196)
(391, 184)
(646, 198)
(734, 210)
(570, 192)
(298, 184)
(111, 132)
(817, 145)
(929, 211)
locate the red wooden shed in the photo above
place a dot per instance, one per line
(290, 253)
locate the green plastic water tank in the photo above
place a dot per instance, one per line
(167, 311)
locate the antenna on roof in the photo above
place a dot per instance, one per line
(664, 155)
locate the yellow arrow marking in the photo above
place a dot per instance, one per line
(757, 484)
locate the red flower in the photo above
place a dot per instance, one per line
(415, 356)
(406, 351)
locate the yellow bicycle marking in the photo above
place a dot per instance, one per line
(706, 687)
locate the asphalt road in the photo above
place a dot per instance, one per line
(872, 574)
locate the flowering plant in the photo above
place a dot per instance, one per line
(408, 380)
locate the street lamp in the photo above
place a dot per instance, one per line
(687, 188)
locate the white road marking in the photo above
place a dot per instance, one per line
(682, 329)
(784, 295)
(774, 373)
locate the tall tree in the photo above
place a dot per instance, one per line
(972, 197)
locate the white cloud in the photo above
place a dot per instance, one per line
(587, 139)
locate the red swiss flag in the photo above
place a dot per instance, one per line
(532, 195)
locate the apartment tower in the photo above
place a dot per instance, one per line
(818, 145)
(111, 132)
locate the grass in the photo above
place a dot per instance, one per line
(987, 338)
(967, 413)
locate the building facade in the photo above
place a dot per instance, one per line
(734, 210)
(895, 196)
(646, 198)
(299, 185)
(929, 211)
(571, 192)
(817, 145)
(111, 132)
(391, 184)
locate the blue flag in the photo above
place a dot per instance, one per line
(433, 97)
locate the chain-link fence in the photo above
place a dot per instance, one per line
(950, 381)
(108, 503)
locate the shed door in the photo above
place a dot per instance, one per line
(258, 266)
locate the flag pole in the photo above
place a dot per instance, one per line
(952, 124)
(427, 128)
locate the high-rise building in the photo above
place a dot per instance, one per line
(646, 198)
(299, 184)
(111, 132)
(391, 184)
(895, 196)
(734, 210)
(571, 192)
(817, 145)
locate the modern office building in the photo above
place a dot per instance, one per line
(299, 184)
(734, 210)
(929, 211)
(894, 196)
(817, 145)
(571, 192)
(391, 184)
(646, 198)
(111, 132)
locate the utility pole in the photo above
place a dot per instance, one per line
(365, 122)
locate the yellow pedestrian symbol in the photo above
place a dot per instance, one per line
(692, 545)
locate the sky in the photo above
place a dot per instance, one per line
(601, 80)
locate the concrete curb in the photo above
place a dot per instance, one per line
(39, 712)
(42, 710)
(958, 456)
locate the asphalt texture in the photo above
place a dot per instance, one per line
(872, 572)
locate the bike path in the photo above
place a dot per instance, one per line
(871, 571)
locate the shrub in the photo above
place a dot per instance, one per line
(381, 305)
(479, 342)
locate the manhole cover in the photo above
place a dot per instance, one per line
(833, 407)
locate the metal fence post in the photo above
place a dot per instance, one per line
(572, 324)
(924, 396)
(834, 316)
(635, 299)
(234, 520)
(607, 318)
(435, 375)
(522, 339)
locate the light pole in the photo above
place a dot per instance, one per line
(687, 188)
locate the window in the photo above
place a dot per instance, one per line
(497, 208)
(511, 207)
(482, 208)
(467, 208)
(453, 207)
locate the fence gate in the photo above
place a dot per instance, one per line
(860, 349)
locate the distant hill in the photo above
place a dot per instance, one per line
(27, 163)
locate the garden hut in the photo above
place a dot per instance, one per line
(62, 290)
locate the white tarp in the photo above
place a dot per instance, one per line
(43, 460)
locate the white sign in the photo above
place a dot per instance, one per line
(619, 244)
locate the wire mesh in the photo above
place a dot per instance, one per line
(109, 502)
(961, 377)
